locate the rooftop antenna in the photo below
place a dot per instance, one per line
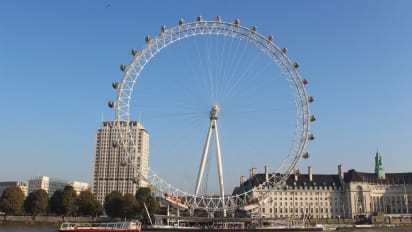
(139, 118)
(101, 117)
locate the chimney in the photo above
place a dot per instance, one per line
(296, 174)
(252, 172)
(340, 172)
(310, 173)
(266, 173)
(242, 179)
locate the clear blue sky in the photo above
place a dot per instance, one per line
(57, 61)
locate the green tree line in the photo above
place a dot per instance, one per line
(67, 203)
(128, 206)
(62, 203)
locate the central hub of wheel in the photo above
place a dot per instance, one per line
(213, 112)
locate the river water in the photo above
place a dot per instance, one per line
(24, 228)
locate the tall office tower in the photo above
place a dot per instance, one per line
(110, 173)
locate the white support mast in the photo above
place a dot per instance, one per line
(212, 128)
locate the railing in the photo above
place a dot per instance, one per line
(115, 225)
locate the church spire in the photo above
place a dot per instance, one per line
(379, 170)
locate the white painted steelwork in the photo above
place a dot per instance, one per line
(217, 27)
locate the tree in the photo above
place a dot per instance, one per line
(87, 204)
(37, 202)
(129, 206)
(144, 196)
(113, 204)
(68, 206)
(55, 203)
(12, 200)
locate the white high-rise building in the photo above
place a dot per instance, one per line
(109, 173)
(40, 182)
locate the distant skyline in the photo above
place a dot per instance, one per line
(57, 61)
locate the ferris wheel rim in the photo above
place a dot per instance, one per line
(199, 28)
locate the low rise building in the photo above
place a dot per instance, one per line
(55, 185)
(61, 184)
(351, 194)
(40, 182)
(7, 184)
(79, 186)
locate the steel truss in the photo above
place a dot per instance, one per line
(168, 36)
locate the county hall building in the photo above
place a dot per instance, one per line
(350, 194)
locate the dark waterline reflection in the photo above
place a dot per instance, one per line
(48, 228)
(28, 228)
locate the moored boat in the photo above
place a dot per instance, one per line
(131, 226)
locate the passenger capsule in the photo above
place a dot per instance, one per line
(123, 162)
(305, 82)
(135, 52)
(305, 155)
(115, 85)
(312, 118)
(148, 39)
(311, 136)
(295, 65)
(181, 22)
(199, 19)
(110, 104)
(270, 38)
(123, 67)
(237, 22)
(218, 19)
(162, 29)
(311, 99)
(253, 29)
(285, 50)
(114, 144)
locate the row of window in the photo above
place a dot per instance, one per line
(336, 204)
(301, 198)
(303, 210)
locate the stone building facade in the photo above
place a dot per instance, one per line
(21, 184)
(110, 174)
(349, 194)
(56, 184)
(39, 182)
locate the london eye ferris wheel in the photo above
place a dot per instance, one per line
(219, 80)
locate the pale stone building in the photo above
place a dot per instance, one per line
(21, 184)
(79, 186)
(379, 193)
(56, 184)
(40, 182)
(110, 174)
(303, 195)
(343, 195)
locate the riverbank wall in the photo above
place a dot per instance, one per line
(55, 220)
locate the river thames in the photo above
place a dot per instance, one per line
(37, 228)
